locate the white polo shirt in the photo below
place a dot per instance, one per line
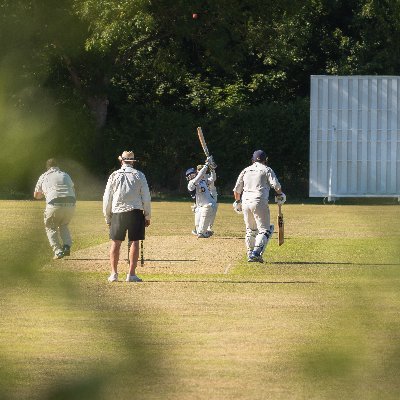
(255, 182)
(55, 184)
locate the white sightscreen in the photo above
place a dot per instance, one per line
(354, 136)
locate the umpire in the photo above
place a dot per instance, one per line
(126, 207)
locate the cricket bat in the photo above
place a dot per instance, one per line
(141, 253)
(281, 226)
(129, 249)
(203, 141)
(200, 134)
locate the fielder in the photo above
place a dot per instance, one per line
(58, 189)
(126, 207)
(206, 207)
(251, 194)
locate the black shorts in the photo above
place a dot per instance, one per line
(131, 221)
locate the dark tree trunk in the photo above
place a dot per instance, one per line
(98, 106)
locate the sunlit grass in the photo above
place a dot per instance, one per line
(318, 320)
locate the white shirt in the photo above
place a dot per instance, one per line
(126, 190)
(203, 195)
(55, 184)
(255, 182)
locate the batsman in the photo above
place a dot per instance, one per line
(206, 206)
(251, 194)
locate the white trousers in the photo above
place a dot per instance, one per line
(257, 220)
(204, 217)
(209, 228)
(56, 220)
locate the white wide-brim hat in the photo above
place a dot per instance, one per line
(127, 156)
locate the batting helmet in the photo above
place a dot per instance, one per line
(189, 172)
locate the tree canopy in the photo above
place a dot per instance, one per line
(87, 79)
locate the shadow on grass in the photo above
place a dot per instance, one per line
(146, 259)
(329, 263)
(229, 282)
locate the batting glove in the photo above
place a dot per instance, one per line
(280, 198)
(237, 206)
(193, 207)
(211, 163)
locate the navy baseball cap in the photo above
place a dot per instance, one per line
(259, 155)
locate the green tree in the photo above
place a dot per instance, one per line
(144, 74)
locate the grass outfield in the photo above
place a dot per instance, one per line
(319, 320)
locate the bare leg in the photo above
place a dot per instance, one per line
(114, 255)
(133, 257)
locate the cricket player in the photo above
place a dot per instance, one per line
(126, 208)
(251, 194)
(57, 188)
(210, 177)
(205, 203)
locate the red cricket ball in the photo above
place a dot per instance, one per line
(195, 15)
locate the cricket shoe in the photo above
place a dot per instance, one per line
(204, 235)
(210, 233)
(59, 254)
(133, 278)
(255, 257)
(194, 232)
(113, 277)
(67, 250)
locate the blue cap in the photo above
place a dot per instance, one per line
(259, 155)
